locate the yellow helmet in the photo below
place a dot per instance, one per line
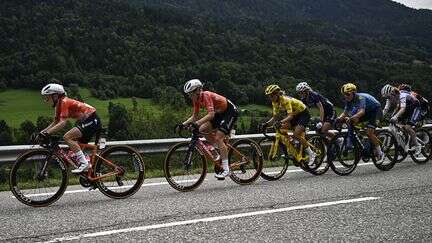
(271, 89)
(348, 88)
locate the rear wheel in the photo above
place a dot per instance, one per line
(38, 178)
(129, 172)
(184, 170)
(246, 160)
(273, 168)
(342, 155)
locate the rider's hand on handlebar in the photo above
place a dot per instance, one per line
(179, 127)
(39, 137)
(393, 120)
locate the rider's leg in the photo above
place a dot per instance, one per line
(375, 141)
(219, 137)
(206, 129)
(325, 129)
(71, 138)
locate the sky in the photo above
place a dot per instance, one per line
(416, 3)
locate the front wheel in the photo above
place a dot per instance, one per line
(246, 160)
(343, 155)
(273, 168)
(184, 167)
(424, 139)
(321, 164)
(38, 178)
(389, 147)
(128, 169)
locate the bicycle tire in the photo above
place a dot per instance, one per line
(390, 151)
(426, 148)
(179, 178)
(248, 173)
(23, 167)
(274, 169)
(319, 142)
(132, 165)
(335, 154)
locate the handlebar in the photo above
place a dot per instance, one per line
(46, 141)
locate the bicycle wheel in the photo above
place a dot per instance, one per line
(184, 171)
(129, 172)
(321, 165)
(273, 169)
(343, 158)
(389, 147)
(424, 139)
(246, 161)
(38, 178)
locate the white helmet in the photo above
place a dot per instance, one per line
(386, 90)
(302, 87)
(50, 89)
(192, 85)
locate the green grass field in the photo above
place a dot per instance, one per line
(17, 106)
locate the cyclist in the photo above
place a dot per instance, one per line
(362, 107)
(297, 116)
(407, 110)
(424, 103)
(88, 122)
(315, 99)
(221, 115)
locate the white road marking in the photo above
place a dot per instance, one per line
(209, 219)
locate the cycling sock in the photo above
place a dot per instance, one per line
(225, 165)
(80, 157)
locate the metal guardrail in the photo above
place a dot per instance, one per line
(149, 146)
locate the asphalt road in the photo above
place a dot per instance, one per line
(369, 205)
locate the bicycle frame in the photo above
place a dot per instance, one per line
(283, 136)
(117, 171)
(196, 142)
(354, 134)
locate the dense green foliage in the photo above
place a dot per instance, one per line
(120, 50)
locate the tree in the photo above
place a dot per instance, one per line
(27, 128)
(119, 122)
(73, 92)
(6, 136)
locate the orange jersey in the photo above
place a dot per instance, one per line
(211, 101)
(70, 108)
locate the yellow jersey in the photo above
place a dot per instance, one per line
(289, 105)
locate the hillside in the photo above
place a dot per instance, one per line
(360, 16)
(118, 50)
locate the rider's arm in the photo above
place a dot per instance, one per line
(342, 115)
(49, 126)
(400, 112)
(359, 114)
(190, 119)
(289, 110)
(387, 106)
(288, 118)
(57, 126)
(321, 110)
(206, 118)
